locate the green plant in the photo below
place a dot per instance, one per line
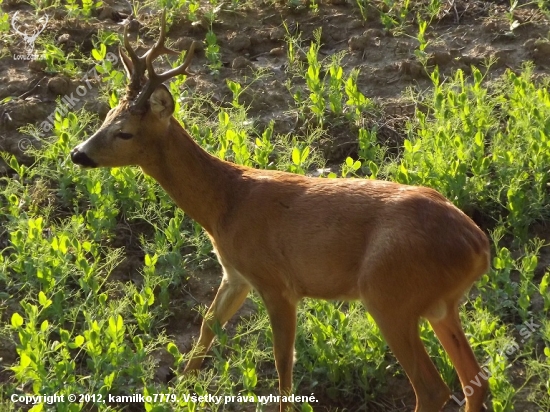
(433, 9)
(350, 167)
(313, 79)
(300, 156)
(357, 102)
(370, 152)
(85, 9)
(263, 148)
(514, 24)
(4, 19)
(235, 140)
(545, 290)
(422, 42)
(450, 154)
(212, 52)
(362, 4)
(325, 88)
(49, 368)
(340, 335)
(335, 84)
(56, 61)
(393, 14)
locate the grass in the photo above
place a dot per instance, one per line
(74, 323)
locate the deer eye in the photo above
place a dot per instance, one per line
(125, 136)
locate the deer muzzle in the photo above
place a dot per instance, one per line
(81, 158)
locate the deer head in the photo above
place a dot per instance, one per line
(131, 131)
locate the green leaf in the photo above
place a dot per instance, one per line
(87, 246)
(64, 335)
(43, 300)
(96, 55)
(544, 283)
(234, 86)
(16, 320)
(224, 118)
(531, 263)
(151, 261)
(231, 135)
(138, 299)
(296, 156)
(150, 295)
(63, 240)
(119, 322)
(44, 326)
(109, 379)
(304, 154)
(479, 139)
(116, 326)
(173, 349)
(138, 343)
(497, 406)
(78, 340)
(199, 389)
(24, 360)
(102, 299)
(306, 407)
(14, 164)
(373, 168)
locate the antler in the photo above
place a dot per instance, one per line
(145, 62)
(14, 26)
(43, 27)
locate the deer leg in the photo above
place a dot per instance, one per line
(282, 315)
(229, 298)
(401, 333)
(451, 335)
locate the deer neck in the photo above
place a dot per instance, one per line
(198, 182)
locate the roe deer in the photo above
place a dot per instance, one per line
(406, 252)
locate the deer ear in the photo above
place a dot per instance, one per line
(161, 102)
(127, 63)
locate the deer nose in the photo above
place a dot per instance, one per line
(81, 158)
